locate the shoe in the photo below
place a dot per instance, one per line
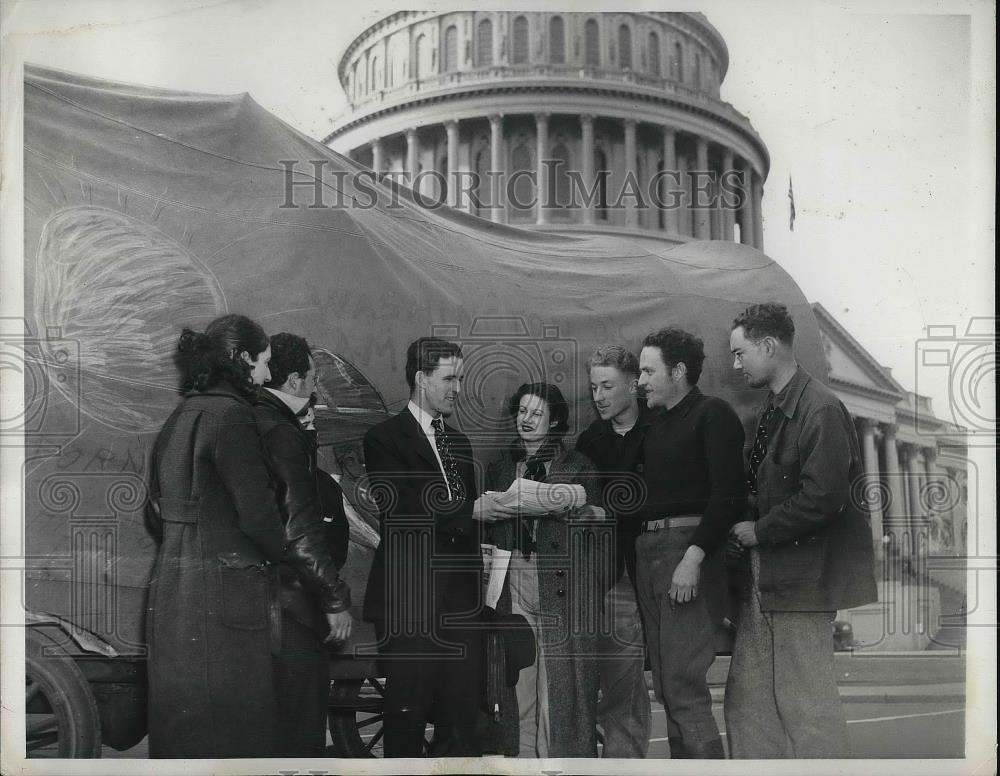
(677, 749)
(709, 750)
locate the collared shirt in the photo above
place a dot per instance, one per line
(694, 465)
(295, 404)
(424, 419)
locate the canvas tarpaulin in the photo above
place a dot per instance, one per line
(148, 210)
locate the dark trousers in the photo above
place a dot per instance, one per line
(680, 637)
(302, 677)
(435, 677)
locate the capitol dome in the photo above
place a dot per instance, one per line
(558, 121)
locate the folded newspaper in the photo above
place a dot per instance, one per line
(495, 563)
(539, 498)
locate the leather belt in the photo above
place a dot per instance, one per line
(681, 521)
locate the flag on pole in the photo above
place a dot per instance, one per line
(791, 206)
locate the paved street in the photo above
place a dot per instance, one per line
(877, 730)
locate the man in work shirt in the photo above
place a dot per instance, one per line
(695, 493)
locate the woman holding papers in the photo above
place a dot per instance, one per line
(555, 577)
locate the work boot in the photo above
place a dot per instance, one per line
(677, 750)
(708, 750)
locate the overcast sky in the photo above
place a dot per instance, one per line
(882, 113)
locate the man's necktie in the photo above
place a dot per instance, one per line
(455, 485)
(759, 449)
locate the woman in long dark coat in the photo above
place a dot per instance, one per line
(213, 619)
(554, 581)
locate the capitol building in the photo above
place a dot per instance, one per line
(613, 123)
(628, 101)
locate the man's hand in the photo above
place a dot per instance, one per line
(488, 510)
(684, 585)
(746, 533)
(340, 627)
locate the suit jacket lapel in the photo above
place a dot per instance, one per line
(421, 445)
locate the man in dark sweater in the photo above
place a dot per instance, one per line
(614, 443)
(695, 492)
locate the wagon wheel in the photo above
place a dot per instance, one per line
(61, 717)
(355, 717)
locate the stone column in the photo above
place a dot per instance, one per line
(452, 181)
(541, 153)
(728, 217)
(702, 216)
(377, 161)
(872, 484)
(587, 163)
(684, 208)
(746, 212)
(758, 216)
(896, 508)
(412, 156)
(670, 220)
(915, 473)
(631, 216)
(498, 168)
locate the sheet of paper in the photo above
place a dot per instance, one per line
(539, 498)
(495, 563)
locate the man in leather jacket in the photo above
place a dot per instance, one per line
(315, 601)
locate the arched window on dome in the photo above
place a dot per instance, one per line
(422, 63)
(697, 71)
(450, 49)
(519, 54)
(625, 47)
(375, 73)
(559, 184)
(677, 63)
(601, 170)
(654, 53)
(484, 44)
(523, 190)
(592, 44)
(557, 40)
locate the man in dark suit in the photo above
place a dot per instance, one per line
(424, 592)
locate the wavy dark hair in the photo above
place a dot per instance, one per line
(213, 356)
(558, 413)
(289, 353)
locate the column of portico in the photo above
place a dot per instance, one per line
(587, 165)
(746, 212)
(939, 493)
(669, 182)
(896, 508)
(631, 215)
(702, 220)
(915, 471)
(377, 159)
(498, 180)
(758, 216)
(412, 156)
(725, 206)
(872, 484)
(684, 205)
(541, 177)
(451, 129)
